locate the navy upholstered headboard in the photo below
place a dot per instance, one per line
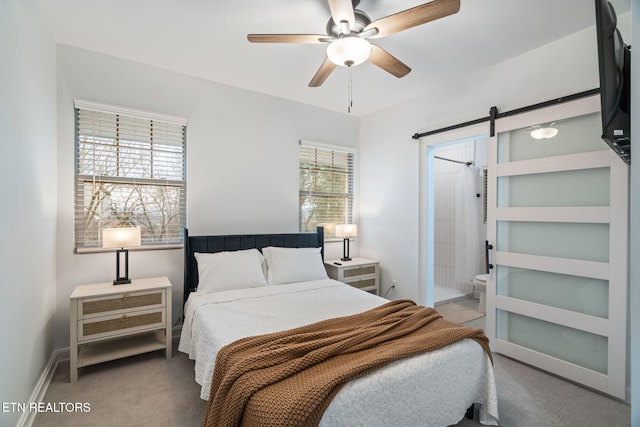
(212, 244)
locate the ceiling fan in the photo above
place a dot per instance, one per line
(349, 30)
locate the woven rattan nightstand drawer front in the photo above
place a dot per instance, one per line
(362, 283)
(359, 271)
(128, 301)
(117, 325)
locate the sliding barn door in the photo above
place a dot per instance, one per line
(557, 224)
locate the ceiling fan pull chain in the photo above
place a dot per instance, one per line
(350, 102)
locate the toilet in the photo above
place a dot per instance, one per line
(480, 282)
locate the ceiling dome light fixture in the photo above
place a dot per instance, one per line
(349, 51)
(544, 133)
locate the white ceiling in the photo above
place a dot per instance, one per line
(207, 39)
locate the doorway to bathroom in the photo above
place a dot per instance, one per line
(459, 146)
(459, 171)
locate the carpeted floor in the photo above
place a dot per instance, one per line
(148, 390)
(143, 390)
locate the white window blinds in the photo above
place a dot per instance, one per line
(130, 171)
(326, 188)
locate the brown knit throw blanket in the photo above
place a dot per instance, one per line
(289, 378)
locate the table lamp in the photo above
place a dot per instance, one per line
(346, 231)
(121, 238)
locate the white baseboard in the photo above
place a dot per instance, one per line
(37, 395)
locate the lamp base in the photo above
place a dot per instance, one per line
(345, 250)
(124, 279)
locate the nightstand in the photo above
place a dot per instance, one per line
(109, 322)
(361, 273)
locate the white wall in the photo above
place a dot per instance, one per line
(28, 194)
(242, 174)
(389, 189)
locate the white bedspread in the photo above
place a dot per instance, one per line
(432, 389)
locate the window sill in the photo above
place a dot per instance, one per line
(337, 239)
(81, 251)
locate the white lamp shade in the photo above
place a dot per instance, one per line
(346, 230)
(121, 237)
(349, 51)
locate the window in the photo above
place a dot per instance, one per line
(326, 188)
(130, 171)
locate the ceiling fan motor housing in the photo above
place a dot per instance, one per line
(361, 21)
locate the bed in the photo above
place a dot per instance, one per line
(431, 389)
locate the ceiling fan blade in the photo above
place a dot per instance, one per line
(288, 38)
(342, 10)
(323, 72)
(413, 17)
(388, 62)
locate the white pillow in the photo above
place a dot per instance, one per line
(222, 271)
(289, 265)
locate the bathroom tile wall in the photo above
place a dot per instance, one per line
(446, 175)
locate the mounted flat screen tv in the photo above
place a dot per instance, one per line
(614, 60)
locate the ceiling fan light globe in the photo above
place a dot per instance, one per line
(349, 51)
